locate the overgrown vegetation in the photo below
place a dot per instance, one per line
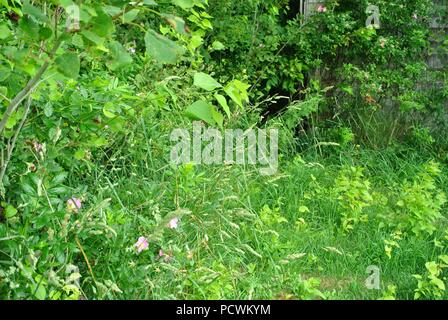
(92, 208)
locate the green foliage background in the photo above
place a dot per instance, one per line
(87, 113)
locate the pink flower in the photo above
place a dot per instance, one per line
(141, 244)
(382, 43)
(415, 16)
(74, 204)
(166, 256)
(173, 223)
(321, 8)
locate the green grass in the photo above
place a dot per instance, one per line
(222, 248)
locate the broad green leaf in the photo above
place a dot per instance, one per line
(34, 12)
(109, 110)
(176, 23)
(4, 32)
(218, 117)
(223, 103)
(120, 57)
(68, 64)
(89, 35)
(112, 10)
(48, 109)
(29, 27)
(45, 33)
(237, 91)
(439, 283)
(39, 291)
(206, 82)
(217, 45)
(102, 24)
(150, 2)
(4, 73)
(10, 211)
(184, 4)
(130, 16)
(201, 110)
(161, 48)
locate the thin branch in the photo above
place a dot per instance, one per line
(12, 142)
(32, 84)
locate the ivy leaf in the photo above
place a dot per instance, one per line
(202, 110)
(161, 48)
(206, 82)
(68, 64)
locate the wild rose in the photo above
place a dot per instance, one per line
(141, 244)
(321, 8)
(172, 224)
(74, 204)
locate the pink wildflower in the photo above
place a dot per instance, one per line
(74, 204)
(321, 8)
(173, 223)
(141, 244)
(415, 16)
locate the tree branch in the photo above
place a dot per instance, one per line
(32, 84)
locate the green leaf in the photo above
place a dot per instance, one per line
(120, 57)
(217, 45)
(184, 4)
(161, 48)
(10, 211)
(4, 32)
(150, 2)
(176, 23)
(68, 64)
(102, 24)
(237, 91)
(48, 110)
(109, 110)
(89, 35)
(223, 103)
(34, 12)
(45, 33)
(218, 117)
(39, 291)
(202, 110)
(439, 283)
(206, 82)
(4, 74)
(29, 27)
(130, 15)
